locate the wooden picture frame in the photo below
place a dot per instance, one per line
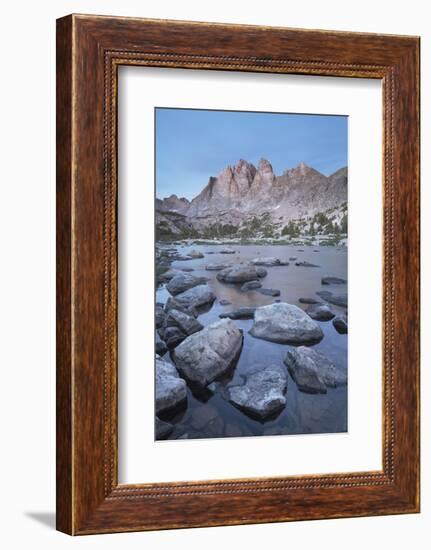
(89, 51)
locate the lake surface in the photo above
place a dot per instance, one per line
(210, 415)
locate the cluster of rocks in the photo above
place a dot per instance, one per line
(202, 356)
(176, 320)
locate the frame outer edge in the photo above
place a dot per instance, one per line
(64, 300)
(81, 507)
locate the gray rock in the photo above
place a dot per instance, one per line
(226, 251)
(238, 274)
(186, 323)
(162, 429)
(309, 301)
(172, 303)
(195, 297)
(216, 267)
(195, 254)
(209, 353)
(167, 275)
(170, 388)
(340, 324)
(181, 258)
(225, 302)
(172, 336)
(261, 272)
(161, 348)
(293, 258)
(182, 282)
(333, 281)
(239, 313)
(269, 262)
(320, 312)
(263, 393)
(285, 324)
(269, 291)
(251, 285)
(340, 300)
(187, 269)
(312, 371)
(159, 316)
(306, 264)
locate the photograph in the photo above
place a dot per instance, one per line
(251, 273)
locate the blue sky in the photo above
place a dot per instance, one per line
(192, 145)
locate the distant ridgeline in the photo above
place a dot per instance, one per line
(248, 202)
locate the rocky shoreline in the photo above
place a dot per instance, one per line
(197, 355)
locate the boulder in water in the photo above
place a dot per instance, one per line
(312, 371)
(263, 393)
(285, 324)
(209, 353)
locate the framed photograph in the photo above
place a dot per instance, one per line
(237, 274)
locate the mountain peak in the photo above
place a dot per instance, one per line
(264, 166)
(303, 168)
(244, 167)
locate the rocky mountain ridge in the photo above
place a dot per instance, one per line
(241, 192)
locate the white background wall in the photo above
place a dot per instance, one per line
(27, 246)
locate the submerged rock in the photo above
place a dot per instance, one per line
(312, 371)
(269, 262)
(195, 297)
(262, 394)
(162, 429)
(239, 274)
(170, 388)
(182, 282)
(251, 285)
(239, 313)
(209, 353)
(285, 324)
(216, 267)
(225, 302)
(269, 291)
(320, 312)
(340, 324)
(186, 323)
(306, 264)
(309, 301)
(340, 300)
(182, 258)
(333, 281)
(202, 416)
(226, 251)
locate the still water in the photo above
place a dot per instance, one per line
(210, 415)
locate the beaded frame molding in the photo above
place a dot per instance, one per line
(89, 51)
